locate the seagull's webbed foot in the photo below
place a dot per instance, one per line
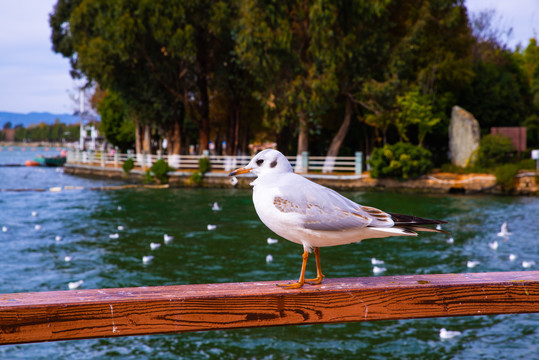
(295, 285)
(316, 280)
(301, 280)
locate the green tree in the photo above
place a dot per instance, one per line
(415, 109)
(281, 46)
(115, 125)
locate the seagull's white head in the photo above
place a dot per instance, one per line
(268, 161)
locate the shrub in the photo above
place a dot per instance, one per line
(401, 161)
(505, 175)
(128, 165)
(494, 150)
(160, 169)
(203, 167)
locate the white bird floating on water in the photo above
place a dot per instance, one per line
(167, 238)
(448, 334)
(528, 264)
(216, 207)
(58, 238)
(493, 245)
(378, 270)
(450, 240)
(512, 257)
(37, 227)
(315, 216)
(503, 231)
(472, 263)
(119, 208)
(375, 261)
(269, 258)
(154, 246)
(67, 258)
(120, 228)
(75, 284)
(114, 236)
(34, 213)
(212, 227)
(439, 227)
(4, 228)
(147, 259)
(272, 241)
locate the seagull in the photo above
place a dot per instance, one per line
(216, 207)
(503, 231)
(167, 238)
(75, 284)
(154, 246)
(512, 257)
(121, 228)
(147, 259)
(493, 245)
(34, 213)
(37, 227)
(375, 261)
(528, 264)
(212, 227)
(58, 238)
(450, 240)
(378, 270)
(114, 236)
(314, 216)
(67, 258)
(448, 334)
(272, 241)
(472, 263)
(4, 228)
(269, 258)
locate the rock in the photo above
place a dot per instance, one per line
(463, 136)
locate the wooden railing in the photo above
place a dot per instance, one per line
(80, 314)
(303, 163)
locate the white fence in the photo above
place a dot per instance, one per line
(302, 163)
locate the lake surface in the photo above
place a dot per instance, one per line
(33, 259)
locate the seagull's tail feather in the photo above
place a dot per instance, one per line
(390, 231)
(406, 220)
(412, 223)
(424, 229)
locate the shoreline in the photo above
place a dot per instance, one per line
(526, 183)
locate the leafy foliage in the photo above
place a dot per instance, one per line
(401, 161)
(56, 132)
(116, 127)
(128, 165)
(160, 170)
(494, 150)
(204, 166)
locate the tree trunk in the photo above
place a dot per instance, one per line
(176, 145)
(146, 141)
(303, 143)
(338, 139)
(138, 138)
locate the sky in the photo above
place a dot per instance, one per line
(35, 79)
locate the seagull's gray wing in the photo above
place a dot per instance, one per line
(323, 209)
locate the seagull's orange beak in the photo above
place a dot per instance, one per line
(242, 170)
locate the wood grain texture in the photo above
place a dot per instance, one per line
(78, 314)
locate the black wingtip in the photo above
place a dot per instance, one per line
(400, 219)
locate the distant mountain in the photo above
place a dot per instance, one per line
(35, 118)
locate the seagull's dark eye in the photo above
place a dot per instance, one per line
(259, 162)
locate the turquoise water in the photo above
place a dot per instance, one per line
(33, 260)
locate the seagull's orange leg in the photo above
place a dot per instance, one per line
(301, 280)
(319, 275)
